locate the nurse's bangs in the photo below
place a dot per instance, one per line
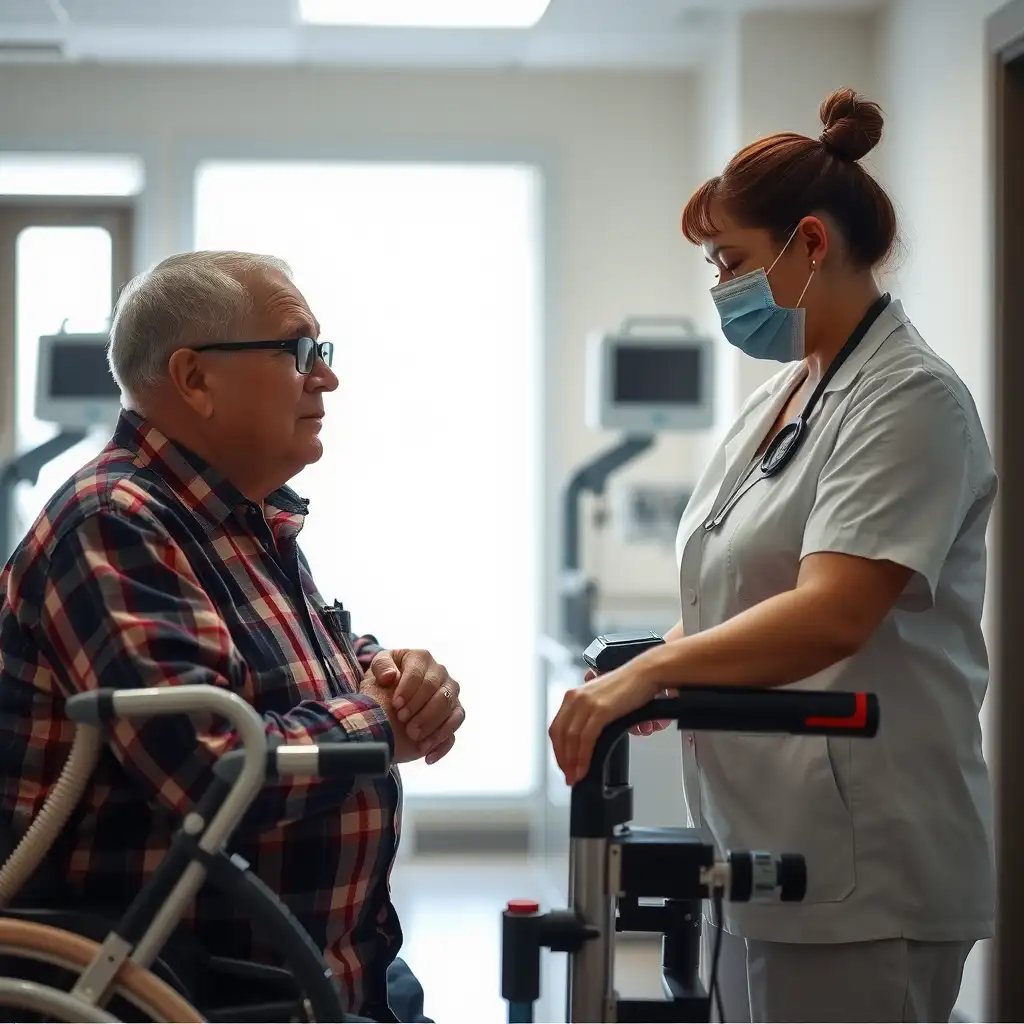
(698, 224)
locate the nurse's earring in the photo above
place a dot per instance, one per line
(814, 270)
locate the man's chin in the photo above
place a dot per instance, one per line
(314, 450)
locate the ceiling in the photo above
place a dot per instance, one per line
(573, 33)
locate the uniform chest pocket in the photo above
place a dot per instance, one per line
(763, 538)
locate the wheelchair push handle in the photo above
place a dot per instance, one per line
(322, 761)
(326, 761)
(99, 707)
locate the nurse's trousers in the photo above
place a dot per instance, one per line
(887, 980)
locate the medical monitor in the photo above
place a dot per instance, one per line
(651, 375)
(75, 388)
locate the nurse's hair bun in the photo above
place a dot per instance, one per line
(853, 125)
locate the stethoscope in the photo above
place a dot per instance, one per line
(786, 443)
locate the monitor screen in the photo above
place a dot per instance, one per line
(658, 374)
(81, 372)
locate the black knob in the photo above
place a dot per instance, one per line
(792, 877)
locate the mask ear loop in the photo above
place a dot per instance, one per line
(782, 250)
(814, 270)
(814, 266)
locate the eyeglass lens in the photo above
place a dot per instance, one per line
(307, 352)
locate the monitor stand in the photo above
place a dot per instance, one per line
(26, 468)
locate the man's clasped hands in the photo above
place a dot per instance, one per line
(421, 701)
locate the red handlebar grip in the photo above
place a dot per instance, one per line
(858, 720)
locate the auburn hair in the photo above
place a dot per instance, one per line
(775, 182)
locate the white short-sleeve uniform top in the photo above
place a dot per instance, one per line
(896, 830)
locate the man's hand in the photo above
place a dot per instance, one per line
(424, 696)
(405, 749)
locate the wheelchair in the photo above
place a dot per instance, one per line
(75, 964)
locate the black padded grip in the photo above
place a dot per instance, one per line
(756, 709)
(348, 759)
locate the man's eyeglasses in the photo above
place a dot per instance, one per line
(305, 350)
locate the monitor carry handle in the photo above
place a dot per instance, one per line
(632, 324)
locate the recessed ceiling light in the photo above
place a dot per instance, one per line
(423, 13)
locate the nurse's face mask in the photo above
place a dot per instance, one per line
(754, 323)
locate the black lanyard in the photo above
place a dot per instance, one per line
(786, 442)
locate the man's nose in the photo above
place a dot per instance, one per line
(321, 378)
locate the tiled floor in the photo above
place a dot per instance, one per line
(451, 916)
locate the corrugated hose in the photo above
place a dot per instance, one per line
(62, 799)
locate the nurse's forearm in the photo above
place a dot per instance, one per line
(675, 633)
(782, 640)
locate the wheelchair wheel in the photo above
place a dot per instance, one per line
(53, 947)
(51, 1003)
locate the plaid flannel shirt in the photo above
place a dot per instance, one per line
(148, 568)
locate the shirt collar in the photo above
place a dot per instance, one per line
(888, 321)
(206, 492)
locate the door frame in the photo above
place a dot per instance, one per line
(20, 212)
(1005, 39)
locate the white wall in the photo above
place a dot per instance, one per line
(931, 62)
(788, 64)
(619, 148)
(769, 73)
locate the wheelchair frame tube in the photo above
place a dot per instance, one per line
(101, 706)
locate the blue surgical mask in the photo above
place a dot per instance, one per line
(754, 323)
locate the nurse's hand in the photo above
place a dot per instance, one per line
(585, 712)
(643, 728)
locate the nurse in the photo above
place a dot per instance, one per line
(836, 540)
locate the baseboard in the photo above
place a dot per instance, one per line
(509, 839)
(631, 937)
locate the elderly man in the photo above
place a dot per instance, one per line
(173, 558)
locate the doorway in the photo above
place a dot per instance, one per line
(62, 264)
(1006, 46)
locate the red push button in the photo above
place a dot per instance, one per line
(523, 906)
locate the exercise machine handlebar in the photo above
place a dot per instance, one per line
(602, 799)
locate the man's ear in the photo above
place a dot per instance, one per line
(812, 239)
(187, 376)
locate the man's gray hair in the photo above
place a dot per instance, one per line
(193, 298)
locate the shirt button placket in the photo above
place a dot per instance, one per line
(689, 580)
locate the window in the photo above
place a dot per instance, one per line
(63, 277)
(70, 174)
(424, 509)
